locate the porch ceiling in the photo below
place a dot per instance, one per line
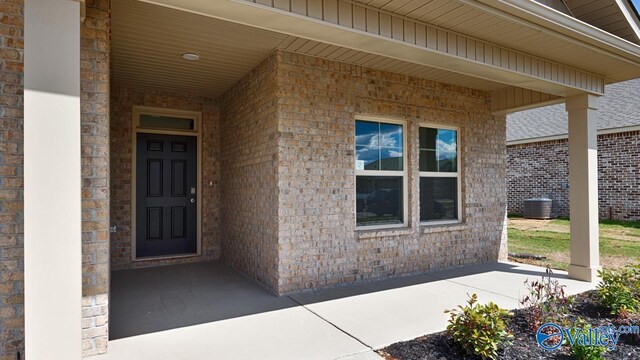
(148, 41)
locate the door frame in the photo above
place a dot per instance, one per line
(196, 116)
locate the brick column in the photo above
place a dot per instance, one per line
(94, 80)
(52, 196)
(583, 187)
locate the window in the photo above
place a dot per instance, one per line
(439, 175)
(166, 122)
(380, 173)
(161, 120)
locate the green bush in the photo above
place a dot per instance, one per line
(585, 352)
(619, 290)
(479, 329)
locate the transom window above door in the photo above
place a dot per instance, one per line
(380, 173)
(160, 119)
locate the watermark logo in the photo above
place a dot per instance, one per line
(551, 336)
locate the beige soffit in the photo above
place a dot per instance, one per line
(439, 47)
(526, 26)
(614, 16)
(373, 61)
(632, 16)
(604, 44)
(148, 42)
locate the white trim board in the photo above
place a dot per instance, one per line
(566, 136)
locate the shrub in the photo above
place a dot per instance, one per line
(547, 300)
(479, 329)
(581, 351)
(619, 290)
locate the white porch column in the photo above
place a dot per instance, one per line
(52, 188)
(583, 186)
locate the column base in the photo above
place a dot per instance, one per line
(583, 273)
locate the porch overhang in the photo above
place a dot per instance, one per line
(361, 27)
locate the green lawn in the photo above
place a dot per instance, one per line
(631, 228)
(619, 241)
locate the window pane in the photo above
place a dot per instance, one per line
(428, 138)
(445, 144)
(438, 198)
(166, 122)
(446, 140)
(428, 160)
(367, 133)
(390, 135)
(447, 162)
(369, 156)
(391, 159)
(379, 200)
(379, 146)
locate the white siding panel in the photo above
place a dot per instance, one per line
(385, 25)
(397, 28)
(314, 8)
(299, 7)
(359, 18)
(282, 4)
(331, 11)
(373, 22)
(345, 16)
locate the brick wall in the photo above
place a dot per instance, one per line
(122, 101)
(94, 101)
(249, 142)
(95, 165)
(319, 245)
(538, 171)
(541, 169)
(11, 181)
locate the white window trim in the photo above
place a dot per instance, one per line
(404, 173)
(457, 174)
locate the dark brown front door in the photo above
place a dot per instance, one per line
(166, 209)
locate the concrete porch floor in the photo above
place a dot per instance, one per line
(206, 310)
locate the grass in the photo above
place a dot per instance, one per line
(619, 242)
(630, 228)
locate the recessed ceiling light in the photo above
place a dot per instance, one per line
(190, 56)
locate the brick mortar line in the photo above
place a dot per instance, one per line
(330, 323)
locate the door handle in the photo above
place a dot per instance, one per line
(193, 200)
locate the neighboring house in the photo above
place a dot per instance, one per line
(538, 158)
(307, 143)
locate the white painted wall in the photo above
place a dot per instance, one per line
(52, 188)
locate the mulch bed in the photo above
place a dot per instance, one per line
(439, 346)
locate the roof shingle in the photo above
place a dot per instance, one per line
(620, 107)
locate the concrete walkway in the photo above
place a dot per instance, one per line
(207, 311)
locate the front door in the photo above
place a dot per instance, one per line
(166, 209)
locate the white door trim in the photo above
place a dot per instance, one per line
(196, 116)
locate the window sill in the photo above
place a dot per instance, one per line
(441, 226)
(376, 232)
